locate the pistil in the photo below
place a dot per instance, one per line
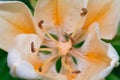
(64, 47)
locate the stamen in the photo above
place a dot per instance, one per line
(40, 24)
(40, 69)
(76, 53)
(40, 49)
(45, 49)
(71, 74)
(66, 66)
(48, 63)
(84, 12)
(41, 27)
(32, 47)
(49, 43)
(76, 72)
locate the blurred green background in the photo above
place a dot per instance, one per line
(4, 70)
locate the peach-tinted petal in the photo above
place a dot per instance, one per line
(21, 60)
(15, 18)
(107, 13)
(60, 13)
(96, 59)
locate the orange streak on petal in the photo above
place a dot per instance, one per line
(97, 58)
(56, 15)
(98, 16)
(34, 60)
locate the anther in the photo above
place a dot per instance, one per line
(76, 72)
(32, 47)
(45, 31)
(40, 24)
(84, 12)
(70, 48)
(40, 69)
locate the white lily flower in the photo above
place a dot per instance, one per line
(23, 37)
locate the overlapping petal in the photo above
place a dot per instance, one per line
(57, 13)
(15, 18)
(107, 13)
(21, 60)
(96, 58)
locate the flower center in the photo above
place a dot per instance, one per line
(64, 47)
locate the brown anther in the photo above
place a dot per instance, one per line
(32, 47)
(84, 12)
(76, 72)
(40, 24)
(70, 48)
(40, 69)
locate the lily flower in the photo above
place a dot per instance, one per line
(57, 26)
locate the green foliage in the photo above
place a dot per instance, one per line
(112, 77)
(30, 3)
(33, 3)
(74, 59)
(54, 36)
(79, 44)
(115, 75)
(58, 65)
(4, 70)
(27, 2)
(115, 41)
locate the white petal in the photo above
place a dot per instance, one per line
(24, 70)
(15, 18)
(114, 62)
(21, 60)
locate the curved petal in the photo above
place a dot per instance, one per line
(57, 13)
(53, 75)
(107, 13)
(96, 59)
(15, 18)
(22, 61)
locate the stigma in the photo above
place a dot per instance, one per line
(64, 47)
